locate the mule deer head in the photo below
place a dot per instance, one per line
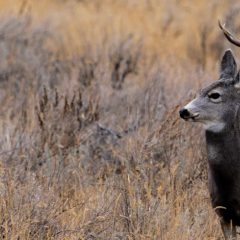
(216, 104)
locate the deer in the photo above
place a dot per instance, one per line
(217, 108)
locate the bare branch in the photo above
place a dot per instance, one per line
(229, 35)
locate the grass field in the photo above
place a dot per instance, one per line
(92, 146)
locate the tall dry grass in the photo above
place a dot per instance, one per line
(91, 143)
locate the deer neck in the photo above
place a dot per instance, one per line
(223, 147)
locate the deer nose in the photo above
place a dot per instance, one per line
(184, 113)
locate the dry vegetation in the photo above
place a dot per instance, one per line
(91, 143)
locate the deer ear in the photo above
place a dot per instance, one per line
(228, 65)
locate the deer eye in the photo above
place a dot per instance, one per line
(214, 96)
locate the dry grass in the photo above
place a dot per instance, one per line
(91, 143)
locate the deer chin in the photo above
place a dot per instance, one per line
(195, 117)
(192, 118)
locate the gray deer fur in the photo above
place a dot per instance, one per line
(217, 107)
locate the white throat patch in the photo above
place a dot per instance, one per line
(214, 126)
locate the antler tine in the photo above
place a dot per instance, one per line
(228, 35)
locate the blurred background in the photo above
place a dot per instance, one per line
(91, 144)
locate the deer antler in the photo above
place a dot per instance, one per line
(229, 35)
